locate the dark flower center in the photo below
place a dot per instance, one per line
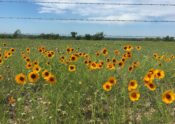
(168, 96)
(22, 78)
(46, 73)
(33, 76)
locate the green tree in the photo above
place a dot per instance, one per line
(98, 36)
(73, 34)
(17, 34)
(87, 36)
(168, 38)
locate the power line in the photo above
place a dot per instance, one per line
(86, 20)
(88, 3)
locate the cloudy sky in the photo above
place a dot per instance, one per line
(47, 10)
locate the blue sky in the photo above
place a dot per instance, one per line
(90, 12)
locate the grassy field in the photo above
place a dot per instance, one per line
(85, 95)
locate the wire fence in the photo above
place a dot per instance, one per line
(89, 3)
(86, 20)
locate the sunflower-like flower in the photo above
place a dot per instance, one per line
(132, 85)
(168, 97)
(116, 52)
(73, 58)
(134, 95)
(69, 50)
(121, 64)
(149, 77)
(21, 79)
(110, 66)
(107, 86)
(150, 85)
(36, 68)
(27, 59)
(105, 52)
(159, 74)
(112, 80)
(35, 63)
(138, 48)
(12, 50)
(130, 68)
(33, 77)
(51, 79)
(72, 68)
(93, 65)
(28, 65)
(46, 74)
(28, 50)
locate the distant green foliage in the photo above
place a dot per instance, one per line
(49, 36)
(17, 34)
(75, 36)
(98, 36)
(88, 37)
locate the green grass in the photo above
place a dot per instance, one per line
(78, 97)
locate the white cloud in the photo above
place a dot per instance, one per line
(109, 11)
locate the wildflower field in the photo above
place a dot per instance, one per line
(87, 82)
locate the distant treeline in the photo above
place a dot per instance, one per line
(75, 36)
